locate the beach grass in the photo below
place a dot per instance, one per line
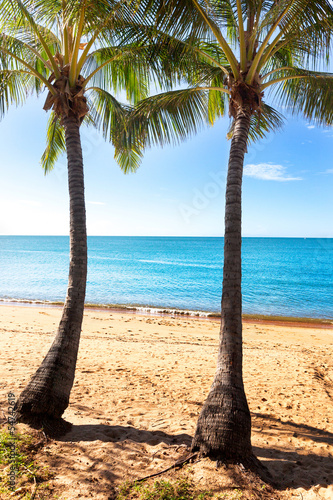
(182, 488)
(17, 453)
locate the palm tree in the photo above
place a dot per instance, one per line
(72, 49)
(233, 52)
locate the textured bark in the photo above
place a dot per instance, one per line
(47, 394)
(224, 426)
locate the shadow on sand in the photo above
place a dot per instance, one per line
(290, 467)
(118, 433)
(294, 467)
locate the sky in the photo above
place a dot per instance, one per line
(177, 191)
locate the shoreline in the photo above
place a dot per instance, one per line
(154, 311)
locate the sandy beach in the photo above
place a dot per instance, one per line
(140, 384)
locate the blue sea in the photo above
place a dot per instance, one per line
(281, 276)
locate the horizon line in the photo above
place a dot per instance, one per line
(160, 236)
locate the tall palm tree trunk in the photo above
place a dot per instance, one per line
(46, 396)
(224, 425)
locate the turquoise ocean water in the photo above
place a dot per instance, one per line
(281, 276)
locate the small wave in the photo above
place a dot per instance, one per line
(32, 302)
(175, 312)
(155, 310)
(149, 310)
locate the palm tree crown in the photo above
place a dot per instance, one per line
(73, 50)
(234, 53)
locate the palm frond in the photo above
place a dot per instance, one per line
(27, 52)
(217, 105)
(110, 117)
(307, 22)
(310, 95)
(19, 11)
(55, 143)
(172, 60)
(106, 111)
(180, 19)
(262, 122)
(122, 69)
(129, 159)
(171, 117)
(14, 88)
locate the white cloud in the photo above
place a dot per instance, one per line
(96, 203)
(327, 171)
(269, 172)
(328, 132)
(310, 127)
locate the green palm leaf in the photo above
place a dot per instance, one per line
(109, 116)
(14, 89)
(122, 69)
(173, 116)
(310, 96)
(55, 143)
(268, 120)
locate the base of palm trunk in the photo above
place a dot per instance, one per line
(46, 395)
(52, 427)
(224, 426)
(41, 406)
(223, 431)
